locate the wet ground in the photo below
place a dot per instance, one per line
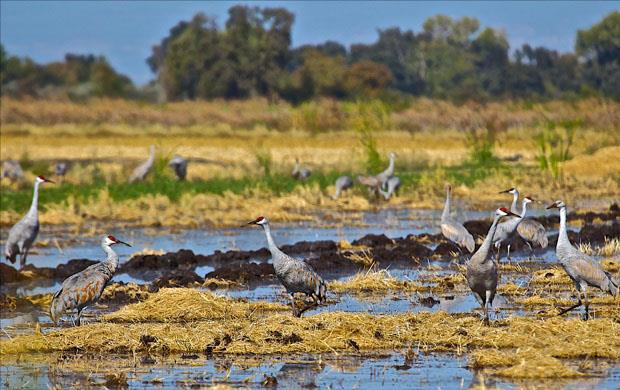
(406, 242)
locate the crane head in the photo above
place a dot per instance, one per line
(508, 191)
(258, 221)
(111, 240)
(504, 212)
(558, 204)
(42, 179)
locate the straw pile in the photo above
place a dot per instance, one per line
(374, 281)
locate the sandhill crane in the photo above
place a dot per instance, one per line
(507, 229)
(453, 230)
(179, 166)
(372, 182)
(393, 184)
(23, 233)
(296, 275)
(300, 172)
(342, 183)
(12, 170)
(531, 231)
(389, 171)
(581, 268)
(481, 269)
(84, 288)
(143, 169)
(61, 168)
(515, 198)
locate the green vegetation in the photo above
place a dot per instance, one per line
(251, 55)
(554, 143)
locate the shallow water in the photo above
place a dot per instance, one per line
(444, 371)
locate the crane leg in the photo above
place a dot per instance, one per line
(508, 255)
(487, 304)
(23, 257)
(296, 312)
(576, 305)
(79, 316)
(531, 249)
(586, 305)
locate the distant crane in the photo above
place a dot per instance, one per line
(61, 168)
(296, 275)
(342, 183)
(372, 182)
(84, 288)
(300, 172)
(581, 268)
(179, 166)
(507, 229)
(388, 172)
(23, 233)
(143, 169)
(453, 230)
(481, 269)
(531, 231)
(393, 184)
(12, 170)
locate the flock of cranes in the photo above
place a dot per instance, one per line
(84, 288)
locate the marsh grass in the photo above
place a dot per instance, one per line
(374, 280)
(185, 320)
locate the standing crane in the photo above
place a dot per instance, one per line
(296, 275)
(481, 269)
(583, 270)
(61, 168)
(143, 169)
(12, 170)
(179, 166)
(507, 229)
(530, 230)
(23, 233)
(453, 230)
(300, 172)
(342, 183)
(389, 171)
(84, 288)
(393, 184)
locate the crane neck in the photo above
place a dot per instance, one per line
(271, 245)
(523, 209)
(34, 207)
(112, 258)
(515, 200)
(486, 244)
(446, 207)
(563, 236)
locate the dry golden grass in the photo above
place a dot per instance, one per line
(610, 248)
(374, 280)
(178, 320)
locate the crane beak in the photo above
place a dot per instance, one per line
(49, 181)
(122, 242)
(552, 206)
(513, 214)
(505, 191)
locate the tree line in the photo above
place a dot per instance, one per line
(251, 55)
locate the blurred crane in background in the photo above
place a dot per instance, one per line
(143, 169)
(179, 166)
(452, 229)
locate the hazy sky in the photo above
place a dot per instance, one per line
(125, 31)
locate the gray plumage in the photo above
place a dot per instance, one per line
(300, 172)
(583, 270)
(84, 288)
(454, 230)
(296, 275)
(531, 231)
(23, 234)
(481, 270)
(384, 176)
(61, 168)
(12, 170)
(507, 229)
(393, 184)
(179, 166)
(140, 172)
(372, 182)
(342, 183)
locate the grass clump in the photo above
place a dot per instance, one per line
(185, 304)
(374, 281)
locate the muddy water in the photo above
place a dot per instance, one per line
(387, 370)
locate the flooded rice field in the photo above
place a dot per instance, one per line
(390, 263)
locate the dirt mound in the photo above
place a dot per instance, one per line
(243, 273)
